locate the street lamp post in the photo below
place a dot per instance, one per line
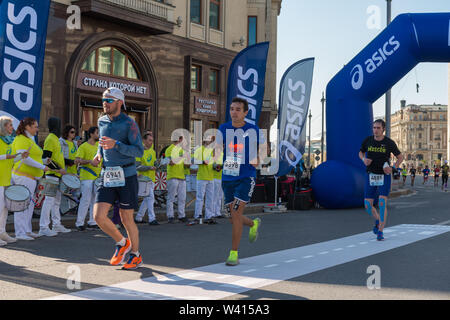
(323, 116)
(309, 143)
(388, 93)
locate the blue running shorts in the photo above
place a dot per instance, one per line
(371, 192)
(241, 189)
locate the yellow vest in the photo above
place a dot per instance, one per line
(72, 156)
(22, 142)
(88, 151)
(52, 144)
(5, 165)
(205, 171)
(177, 170)
(148, 159)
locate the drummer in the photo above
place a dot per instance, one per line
(88, 173)
(55, 158)
(6, 163)
(147, 169)
(26, 172)
(69, 148)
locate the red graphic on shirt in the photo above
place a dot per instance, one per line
(236, 147)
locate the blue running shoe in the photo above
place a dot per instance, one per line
(380, 236)
(375, 229)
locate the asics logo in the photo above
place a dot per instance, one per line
(374, 62)
(357, 77)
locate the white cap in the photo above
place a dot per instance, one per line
(115, 93)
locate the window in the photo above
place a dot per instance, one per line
(251, 32)
(111, 61)
(196, 75)
(213, 81)
(214, 14)
(119, 60)
(196, 11)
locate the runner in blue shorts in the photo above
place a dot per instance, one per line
(375, 152)
(241, 142)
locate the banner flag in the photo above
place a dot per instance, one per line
(23, 32)
(295, 93)
(246, 79)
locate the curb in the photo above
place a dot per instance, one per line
(69, 219)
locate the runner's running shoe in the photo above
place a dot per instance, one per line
(121, 252)
(375, 229)
(253, 233)
(232, 259)
(380, 236)
(133, 262)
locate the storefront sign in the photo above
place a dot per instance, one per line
(205, 106)
(94, 82)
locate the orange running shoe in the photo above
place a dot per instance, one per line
(133, 262)
(121, 252)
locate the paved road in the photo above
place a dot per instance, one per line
(316, 254)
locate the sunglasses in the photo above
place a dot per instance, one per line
(72, 131)
(108, 100)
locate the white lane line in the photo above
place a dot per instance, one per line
(204, 282)
(338, 249)
(323, 252)
(249, 270)
(290, 261)
(271, 265)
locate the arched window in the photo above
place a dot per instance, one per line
(111, 61)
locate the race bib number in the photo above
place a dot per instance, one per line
(231, 166)
(376, 180)
(113, 177)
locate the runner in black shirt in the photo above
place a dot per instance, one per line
(375, 152)
(412, 171)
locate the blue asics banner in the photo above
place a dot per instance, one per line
(411, 38)
(295, 93)
(246, 79)
(23, 31)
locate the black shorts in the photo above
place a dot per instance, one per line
(126, 195)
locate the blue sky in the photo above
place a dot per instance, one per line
(334, 31)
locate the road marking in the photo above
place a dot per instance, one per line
(208, 282)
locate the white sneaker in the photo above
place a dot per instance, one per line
(33, 235)
(60, 228)
(5, 237)
(47, 232)
(3, 243)
(24, 237)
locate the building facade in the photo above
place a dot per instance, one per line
(170, 57)
(420, 132)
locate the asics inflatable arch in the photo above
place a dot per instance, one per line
(408, 40)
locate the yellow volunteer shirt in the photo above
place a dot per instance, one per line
(5, 165)
(148, 159)
(218, 160)
(22, 142)
(177, 170)
(52, 144)
(72, 156)
(205, 171)
(88, 151)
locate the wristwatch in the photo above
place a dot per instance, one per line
(117, 143)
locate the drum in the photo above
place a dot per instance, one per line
(69, 183)
(50, 185)
(17, 198)
(144, 186)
